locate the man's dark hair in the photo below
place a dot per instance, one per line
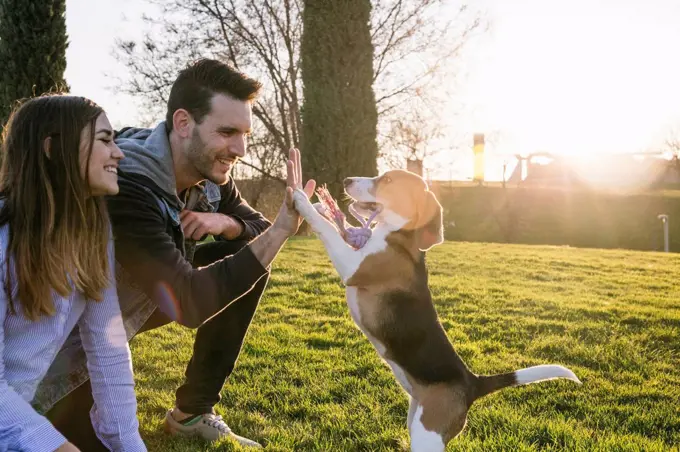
(196, 85)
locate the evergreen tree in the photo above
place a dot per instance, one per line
(339, 114)
(32, 50)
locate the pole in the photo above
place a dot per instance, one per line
(664, 220)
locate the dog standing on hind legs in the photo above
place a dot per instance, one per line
(389, 300)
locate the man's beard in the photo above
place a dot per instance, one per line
(202, 160)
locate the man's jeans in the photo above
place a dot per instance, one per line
(219, 340)
(216, 347)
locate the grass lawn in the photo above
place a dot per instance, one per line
(307, 379)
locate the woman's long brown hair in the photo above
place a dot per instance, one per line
(58, 231)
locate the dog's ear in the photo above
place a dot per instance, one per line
(429, 227)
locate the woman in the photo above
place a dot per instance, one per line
(56, 271)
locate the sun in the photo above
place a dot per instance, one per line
(555, 79)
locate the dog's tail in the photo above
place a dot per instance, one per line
(488, 384)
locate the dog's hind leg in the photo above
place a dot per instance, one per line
(423, 440)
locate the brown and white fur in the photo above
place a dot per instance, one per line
(389, 299)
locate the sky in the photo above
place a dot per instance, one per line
(574, 77)
(91, 69)
(579, 76)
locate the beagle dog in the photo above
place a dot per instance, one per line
(389, 300)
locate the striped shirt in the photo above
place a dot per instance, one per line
(27, 348)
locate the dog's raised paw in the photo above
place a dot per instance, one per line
(320, 208)
(300, 199)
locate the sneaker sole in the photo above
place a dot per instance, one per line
(170, 430)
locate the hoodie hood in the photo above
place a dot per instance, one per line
(147, 153)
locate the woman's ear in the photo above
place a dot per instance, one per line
(47, 147)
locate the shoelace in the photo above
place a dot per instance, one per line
(217, 422)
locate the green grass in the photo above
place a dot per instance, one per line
(307, 379)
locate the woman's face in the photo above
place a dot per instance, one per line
(103, 165)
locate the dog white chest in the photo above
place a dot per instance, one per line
(353, 304)
(400, 375)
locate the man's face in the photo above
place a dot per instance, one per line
(220, 140)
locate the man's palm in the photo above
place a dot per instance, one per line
(288, 218)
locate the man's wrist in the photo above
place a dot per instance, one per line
(279, 231)
(233, 228)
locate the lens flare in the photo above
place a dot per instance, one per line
(167, 302)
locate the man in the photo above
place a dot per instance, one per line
(175, 189)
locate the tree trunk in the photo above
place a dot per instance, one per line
(339, 115)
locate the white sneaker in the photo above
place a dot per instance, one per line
(209, 426)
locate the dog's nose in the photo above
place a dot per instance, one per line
(347, 182)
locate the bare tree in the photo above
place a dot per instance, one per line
(416, 45)
(672, 141)
(417, 70)
(413, 138)
(672, 145)
(262, 38)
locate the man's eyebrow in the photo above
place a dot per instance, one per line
(230, 129)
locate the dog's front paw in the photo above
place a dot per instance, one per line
(300, 197)
(320, 208)
(302, 203)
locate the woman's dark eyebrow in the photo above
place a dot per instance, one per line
(106, 131)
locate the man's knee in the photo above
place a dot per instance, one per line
(236, 245)
(207, 253)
